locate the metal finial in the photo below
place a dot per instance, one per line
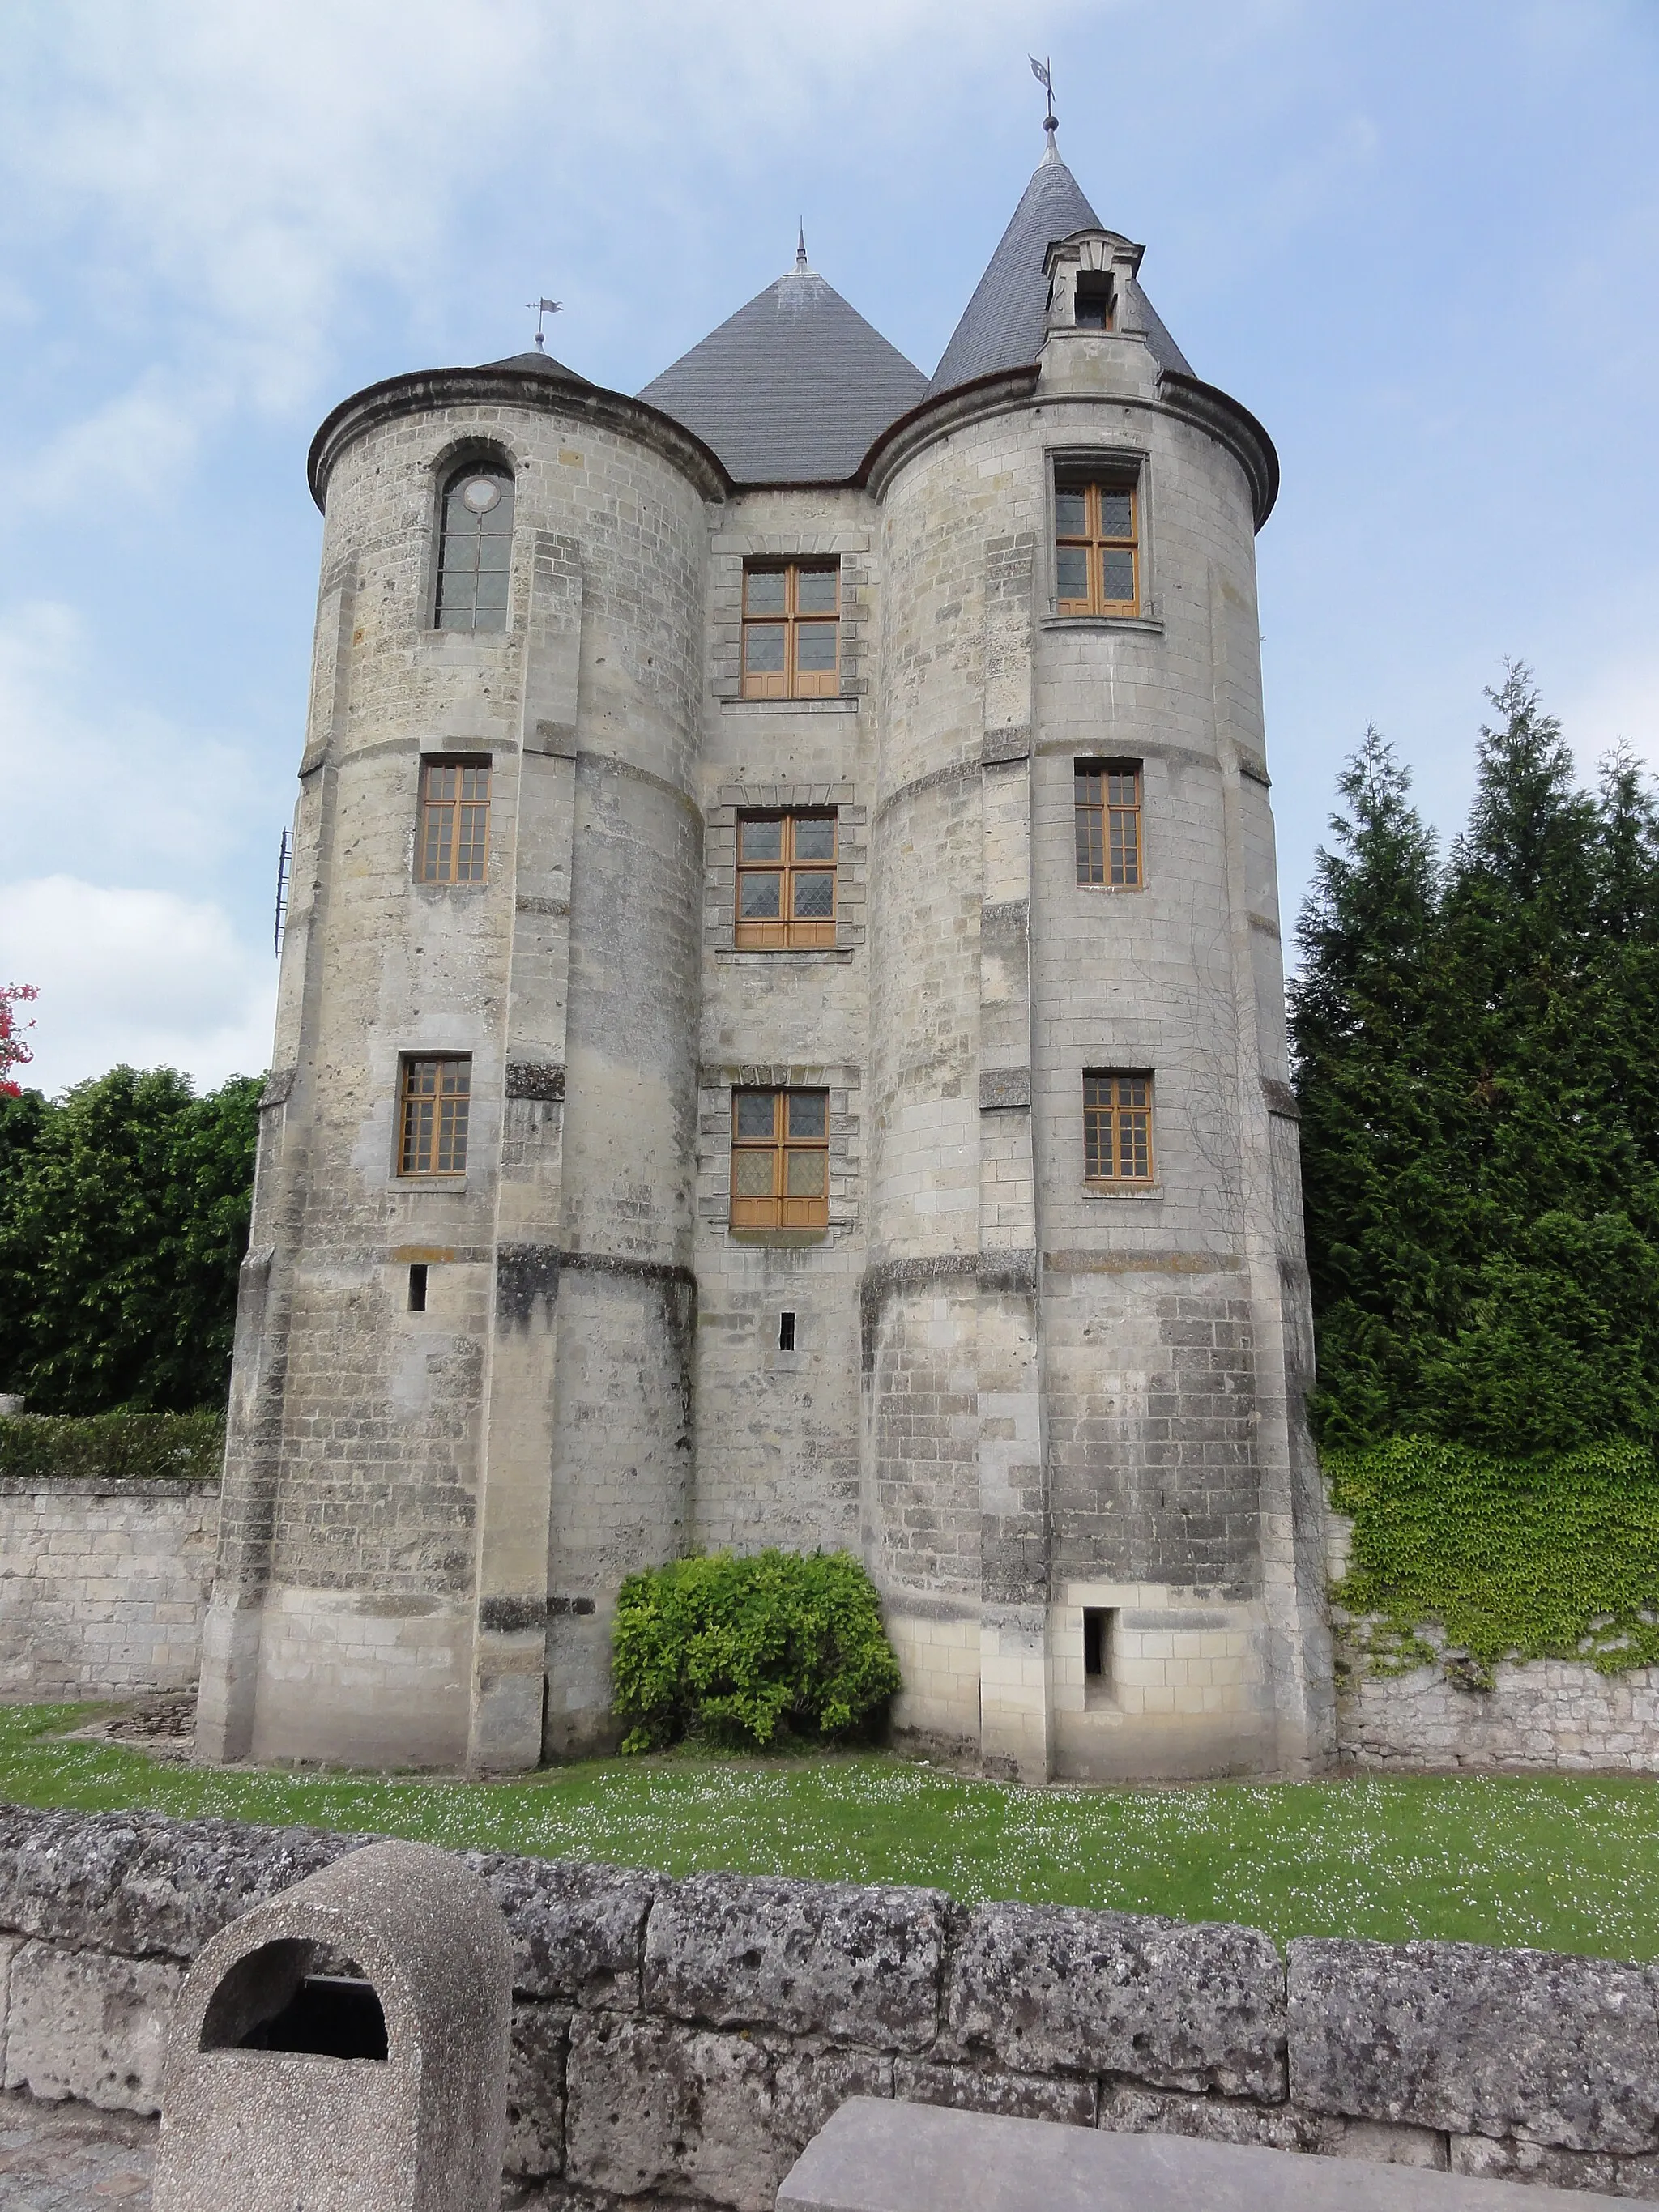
(540, 308)
(1044, 73)
(800, 251)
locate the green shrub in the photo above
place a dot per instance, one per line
(733, 1650)
(124, 1444)
(1551, 1557)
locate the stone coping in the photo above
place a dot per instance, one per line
(684, 2041)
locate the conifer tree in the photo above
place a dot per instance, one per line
(1478, 1062)
(1363, 1020)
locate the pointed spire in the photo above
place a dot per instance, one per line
(801, 269)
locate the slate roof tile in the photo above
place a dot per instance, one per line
(794, 388)
(1002, 326)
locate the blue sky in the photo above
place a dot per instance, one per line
(1419, 241)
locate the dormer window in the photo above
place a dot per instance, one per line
(1097, 546)
(1094, 301)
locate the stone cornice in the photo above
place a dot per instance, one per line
(1209, 409)
(1204, 405)
(427, 390)
(964, 402)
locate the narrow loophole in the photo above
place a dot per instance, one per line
(418, 1287)
(786, 1332)
(1097, 1645)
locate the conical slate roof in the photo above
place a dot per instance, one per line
(794, 388)
(540, 364)
(1003, 325)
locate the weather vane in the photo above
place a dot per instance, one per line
(544, 307)
(1044, 74)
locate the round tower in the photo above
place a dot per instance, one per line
(1090, 1500)
(484, 1092)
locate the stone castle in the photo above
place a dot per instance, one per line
(780, 1041)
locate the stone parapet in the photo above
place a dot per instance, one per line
(677, 2041)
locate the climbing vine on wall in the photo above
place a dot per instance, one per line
(1555, 1556)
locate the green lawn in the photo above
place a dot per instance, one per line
(1569, 1864)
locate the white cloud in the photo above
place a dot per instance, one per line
(141, 976)
(101, 793)
(130, 445)
(224, 179)
(89, 773)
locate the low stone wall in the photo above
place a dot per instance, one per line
(102, 1586)
(684, 2041)
(1554, 1715)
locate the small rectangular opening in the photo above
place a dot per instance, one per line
(786, 1331)
(1096, 1653)
(418, 1287)
(328, 2016)
(1094, 303)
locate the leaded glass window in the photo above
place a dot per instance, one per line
(1097, 547)
(780, 1159)
(786, 882)
(792, 630)
(475, 551)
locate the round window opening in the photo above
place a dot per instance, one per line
(481, 494)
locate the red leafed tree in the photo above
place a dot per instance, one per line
(14, 1051)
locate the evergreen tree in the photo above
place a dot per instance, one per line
(1478, 1061)
(124, 1212)
(1364, 1021)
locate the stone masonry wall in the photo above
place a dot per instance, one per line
(681, 2042)
(1554, 1715)
(102, 1586)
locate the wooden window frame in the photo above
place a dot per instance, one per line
(1109, 826)
(1117, 1128)
(779, 1209)
(787, 934)
(433, 1115)
(1096, 542)
(791, 681)
(445, 848)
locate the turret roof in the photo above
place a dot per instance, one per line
(540, 364)
(794, 388)
(1002, 326)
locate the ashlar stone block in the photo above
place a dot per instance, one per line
(858, 1965)
(654, 2107)
(578, 1931)
(84, 2023)
(1532, 2044)
(1178, 2006)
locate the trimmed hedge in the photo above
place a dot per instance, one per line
(1554, 1557)
(121, 1446)
(737, 1651)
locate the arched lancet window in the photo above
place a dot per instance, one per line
(475, 551)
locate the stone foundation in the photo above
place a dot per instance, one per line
(679, 2042)
(102, 1586)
